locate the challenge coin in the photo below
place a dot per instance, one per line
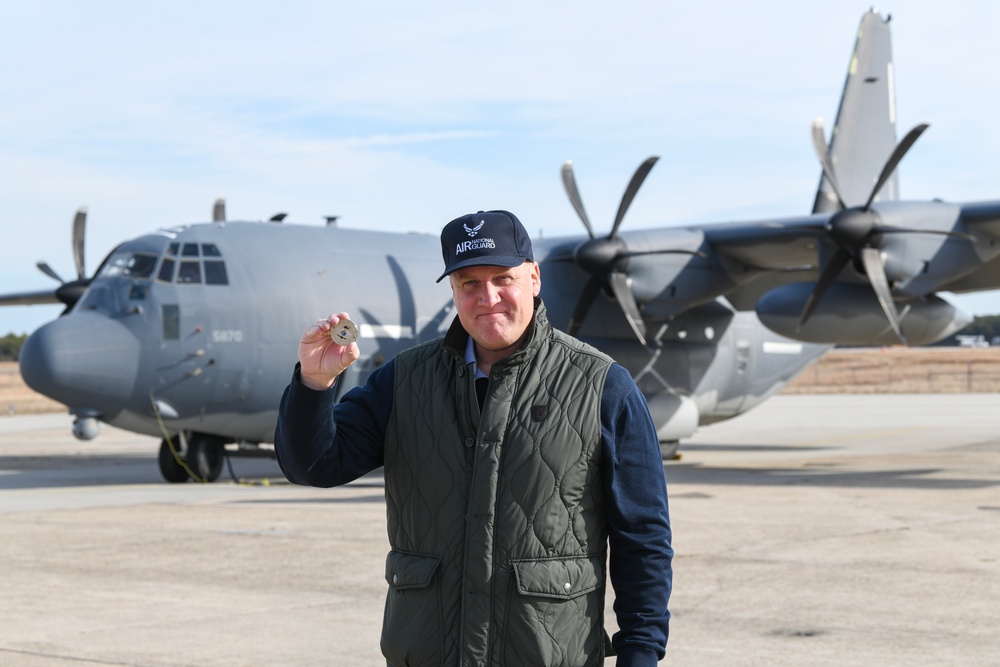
(345, 333)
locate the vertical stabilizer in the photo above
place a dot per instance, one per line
(864, 133)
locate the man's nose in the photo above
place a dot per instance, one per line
(489, 294)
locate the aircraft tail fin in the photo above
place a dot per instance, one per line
(864, 133)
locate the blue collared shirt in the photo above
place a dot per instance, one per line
(470, 358)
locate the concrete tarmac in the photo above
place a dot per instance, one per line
(815, 530)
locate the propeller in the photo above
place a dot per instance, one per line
(606, 258)
(70, 292)
(854, 231)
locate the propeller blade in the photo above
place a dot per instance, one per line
(625, 298)
(560, 258)
(890, 165)
(79, 233)
(830, 273)
(569, 184)
(871, 258)
(47, 270)
(219, 210)
(819, 145)
(583, 304)
(633, 187)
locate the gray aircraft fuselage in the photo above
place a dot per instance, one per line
(203, 322)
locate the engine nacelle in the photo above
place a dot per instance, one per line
(851, 315)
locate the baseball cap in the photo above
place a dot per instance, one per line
(495, 238)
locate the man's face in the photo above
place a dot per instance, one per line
(495, 304)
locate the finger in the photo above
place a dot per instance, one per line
(332, 320)
(321, 326)
(315, 331)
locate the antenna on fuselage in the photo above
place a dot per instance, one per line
(219, 210)
(331, 220)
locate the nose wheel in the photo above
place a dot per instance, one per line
(191, 456)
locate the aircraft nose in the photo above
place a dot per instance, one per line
(83, 360)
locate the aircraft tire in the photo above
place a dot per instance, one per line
(670, 450)
(171, 470)
(205, 456)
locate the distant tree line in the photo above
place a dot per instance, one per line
(10, 346)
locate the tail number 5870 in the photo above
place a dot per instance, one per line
(227, 336)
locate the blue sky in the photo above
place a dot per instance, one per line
(401, 116)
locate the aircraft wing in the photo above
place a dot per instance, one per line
(983, 219)
(986, 277)
(28, 298)
(857, 276)
(783, 245)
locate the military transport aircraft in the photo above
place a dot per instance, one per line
(190, 333)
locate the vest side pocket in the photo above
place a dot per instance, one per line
(412, 625)
(555, 616)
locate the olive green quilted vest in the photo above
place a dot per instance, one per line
(496, 520)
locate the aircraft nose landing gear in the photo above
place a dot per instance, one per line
(194, 456)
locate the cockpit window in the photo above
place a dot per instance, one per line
(182, 265)
(215, 273)
(113, 267)
(189, 273)
(166, 273)
(190, 270)
(137, 292)
(140, 265)
(133, 265)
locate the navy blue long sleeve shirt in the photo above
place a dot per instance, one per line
(320, 443)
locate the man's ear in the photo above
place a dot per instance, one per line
(536, 278)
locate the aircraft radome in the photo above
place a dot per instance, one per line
(190, 333)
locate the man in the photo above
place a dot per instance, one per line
(514, 454)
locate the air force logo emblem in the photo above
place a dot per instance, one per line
(482, 243)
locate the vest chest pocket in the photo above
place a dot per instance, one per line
(555, 617)
(412, 624)
(560, 578)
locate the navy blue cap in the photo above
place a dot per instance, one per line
(494, 238)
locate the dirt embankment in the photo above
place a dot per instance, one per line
(842, 371)
(900, 370)
(17, 399)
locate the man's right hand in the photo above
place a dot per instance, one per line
(322, 360)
